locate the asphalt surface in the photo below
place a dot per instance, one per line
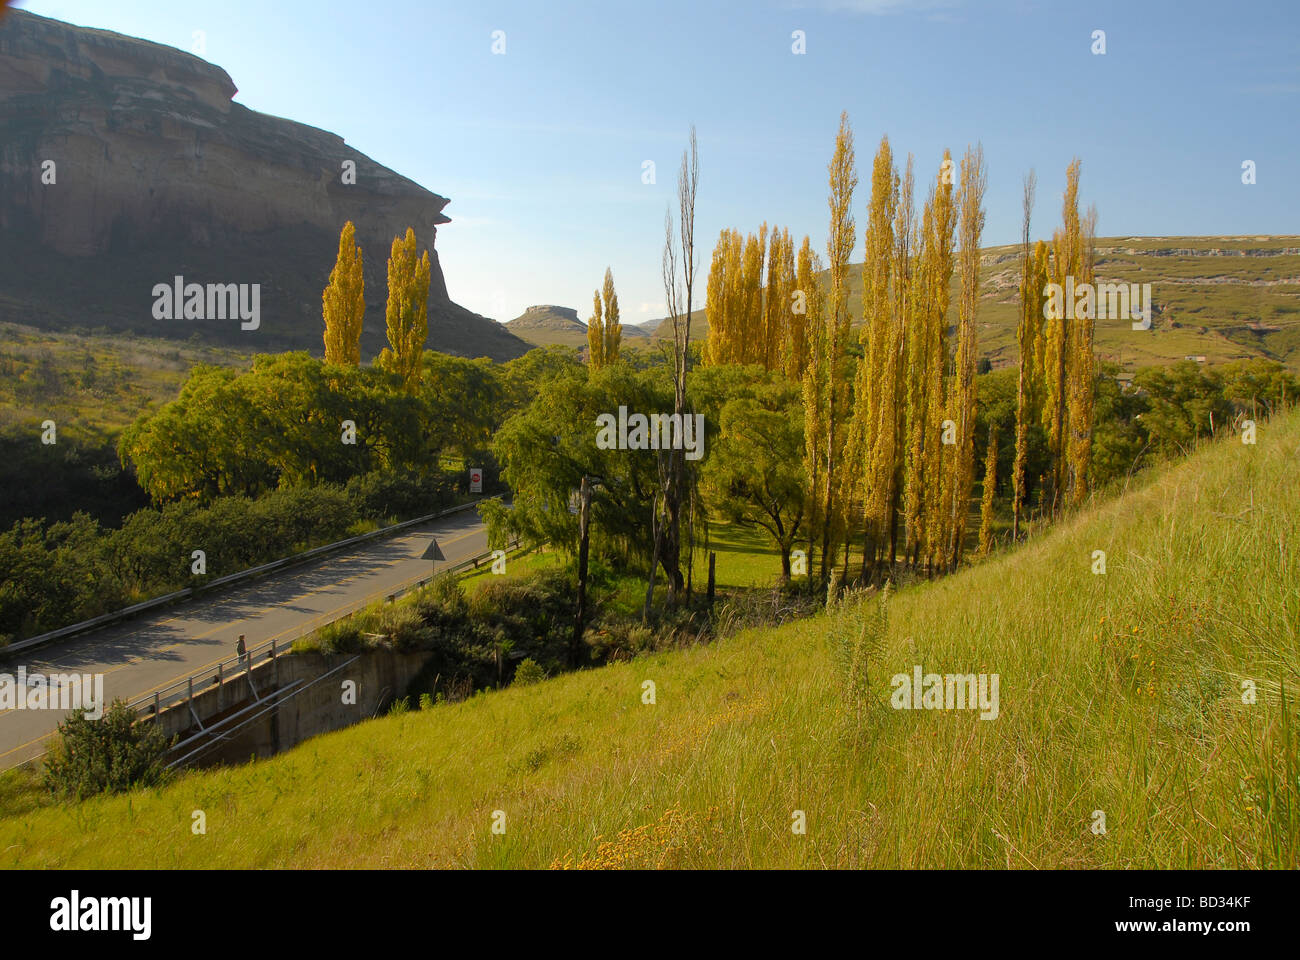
(152, 651)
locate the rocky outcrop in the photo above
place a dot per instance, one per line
(548, 325)
(124, 163)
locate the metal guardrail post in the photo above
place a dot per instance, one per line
(155, 705)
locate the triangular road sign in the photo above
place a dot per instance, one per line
(432, 551)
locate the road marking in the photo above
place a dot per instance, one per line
(48, 665)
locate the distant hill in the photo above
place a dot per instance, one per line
(1217, 297)
(548, 325)
(158, 173)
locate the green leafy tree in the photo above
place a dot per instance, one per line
(754, 474)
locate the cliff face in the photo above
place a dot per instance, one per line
(156, 172)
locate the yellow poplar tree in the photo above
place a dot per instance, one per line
(407, 313)
(344, 303)
(715, 345)
(973, 183)
(1027, 328)
(871, 439)
(750, 347)
(921, 439)
(901, 295)
(990, 489)
(1066, 263)
(596, 334)
(792, 348)
(723, 297)
(843, 178)
(938, 274)
(776, 300)
(613, 329)
(1081, 367)
(815, 385)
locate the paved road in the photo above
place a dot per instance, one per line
(154, 650)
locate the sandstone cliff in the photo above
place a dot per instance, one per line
(157, 173)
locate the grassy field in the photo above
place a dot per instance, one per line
(1120, 695)
(746, 559)
(93, 384)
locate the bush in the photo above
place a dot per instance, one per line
(341, 636)
(399, 706)
(442, 601)
(400, 495)
(112, 754)
(403, 626)
(528, 672)
(619, 639)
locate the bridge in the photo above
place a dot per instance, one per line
(154, 659)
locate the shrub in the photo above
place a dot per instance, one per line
(400, 495)
(399, 706)
(528, 672)
(341, 636)
(618, 638)
(442, 601)
(112, 754)
(403, 626)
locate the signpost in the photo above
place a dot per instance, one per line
(475, 480)
(433, 552)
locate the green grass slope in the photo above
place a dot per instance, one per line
(1120, 693)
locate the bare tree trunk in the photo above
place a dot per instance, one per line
(584, 515)
(654, 560)
(673, 479)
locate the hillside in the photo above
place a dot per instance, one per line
(125, 164)
(1218, 297)
(548, 325)
(1120, 695)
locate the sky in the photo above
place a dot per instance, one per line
(542, 148)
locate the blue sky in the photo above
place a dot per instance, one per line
(541, 149)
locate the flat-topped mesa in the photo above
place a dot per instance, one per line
(130, 159)
(548, 314)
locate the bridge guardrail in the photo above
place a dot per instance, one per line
(232, 669)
